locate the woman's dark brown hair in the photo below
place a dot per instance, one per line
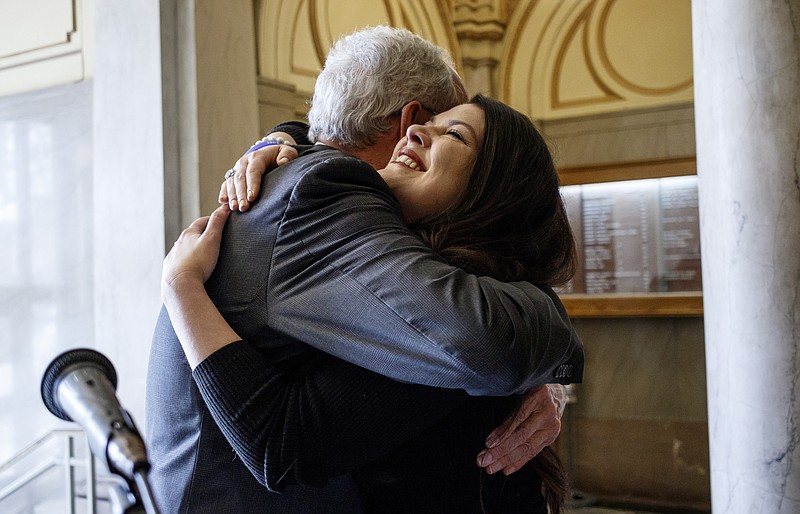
(510, 224)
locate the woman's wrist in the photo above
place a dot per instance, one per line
(198, 324)
(180, 286)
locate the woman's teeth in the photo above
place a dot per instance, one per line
(404, 159)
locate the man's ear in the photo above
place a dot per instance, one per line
(412, 114)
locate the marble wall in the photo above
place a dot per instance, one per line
(46, 266)
(638, 429)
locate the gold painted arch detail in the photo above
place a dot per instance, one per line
(565, 58)
(293, 36)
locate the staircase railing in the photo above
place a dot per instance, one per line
(60, 448)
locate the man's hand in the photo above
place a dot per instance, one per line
(243, 186)
(535, 425)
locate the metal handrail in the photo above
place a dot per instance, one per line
(26, 478)
(37, 443)
(69, 461)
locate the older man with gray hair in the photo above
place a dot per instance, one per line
(291, 297)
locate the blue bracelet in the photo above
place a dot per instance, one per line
(262, 144)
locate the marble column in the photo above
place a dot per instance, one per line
(747, 108)
(174, 106)
(128, 188)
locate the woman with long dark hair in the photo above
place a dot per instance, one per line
(510, 224)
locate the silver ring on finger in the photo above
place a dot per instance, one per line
(229, 173)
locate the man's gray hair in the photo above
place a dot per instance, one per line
(370, 75)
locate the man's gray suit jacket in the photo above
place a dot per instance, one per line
(324, 258)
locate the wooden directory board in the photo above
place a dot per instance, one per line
(639, 248)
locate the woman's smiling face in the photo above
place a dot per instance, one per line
(432, 165)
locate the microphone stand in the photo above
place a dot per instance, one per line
(145, 492)
(136, 498)
(123, 501)
(127, 458)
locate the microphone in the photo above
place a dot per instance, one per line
(80, 385)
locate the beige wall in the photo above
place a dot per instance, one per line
(551, 59)
(564, 59)
(44, 43)
(293, 37)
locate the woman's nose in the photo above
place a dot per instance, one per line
(416, 134)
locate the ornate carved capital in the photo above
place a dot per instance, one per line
(480, 19)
